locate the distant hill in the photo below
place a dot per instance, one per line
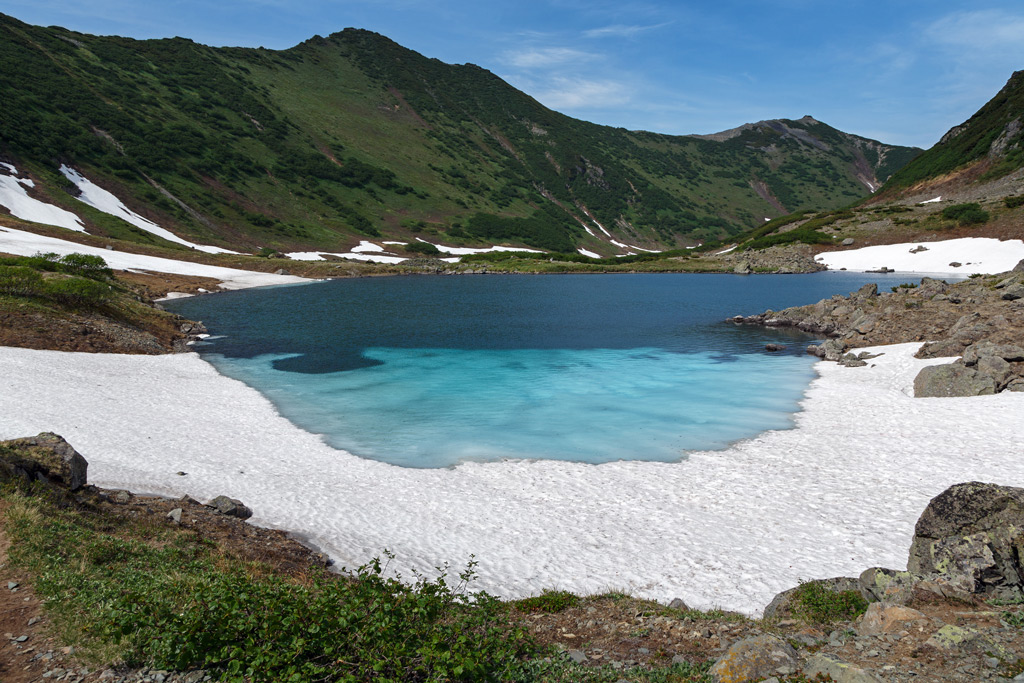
(986, 147)
(352, 135)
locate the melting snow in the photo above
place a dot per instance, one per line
(588, 253)
(976, 254)
(16, 200)
(462, 251)
(839, 493)
(98, 198)
(932, 201)
(27, 243)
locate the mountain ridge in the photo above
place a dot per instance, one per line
(353, 135)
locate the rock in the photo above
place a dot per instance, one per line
(848, 242)
(971, 537)
(867, 291)
(865, 324)
(887, 585)
(175, 515)
(742, 268)
(830, 349)
(951, 638)
(953, 379)
(677, 603)
(947, 348)
(882, 618)
(754, 659)
(1013, 293)
(121, 497)
(1019, 268)
(996, 368)
(281, 271)
(578, 656)
(231, 507)
(837, 670)
(774, 347)
(918, 249)
(45, 457)
(1007, 352)
(781, 605)
(955, 264)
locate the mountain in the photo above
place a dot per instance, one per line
(986, 147)
(339, 138)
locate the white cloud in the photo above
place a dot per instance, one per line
(620, 30)
(582, 93)
(981, 34)
(542, 58)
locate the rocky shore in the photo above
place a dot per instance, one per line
(981, 320)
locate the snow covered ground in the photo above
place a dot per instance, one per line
(14, 197)
(974, 254)
(835, 495)
(98, 198)
(24, 243)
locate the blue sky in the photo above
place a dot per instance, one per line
(900, 71)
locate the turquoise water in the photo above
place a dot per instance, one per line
(433, 371)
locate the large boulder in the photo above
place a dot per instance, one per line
(970, 539)
(755, 659)
(837, 670)
(231, 507)
(953, 379)
(44, 457)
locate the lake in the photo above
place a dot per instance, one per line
(431, 371)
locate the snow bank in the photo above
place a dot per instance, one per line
(26, 243)
(354, 255)
(839, 493)
(588, 253)
(15, 199)
(463, 251)
(98, 198)
(975, 254)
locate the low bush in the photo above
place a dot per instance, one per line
(970, 213)
(814, 602)
(1014, 202)
(156, 596)
(422, 248)
(548, 601)
(20, 281)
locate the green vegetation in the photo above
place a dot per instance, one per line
(816, 603)
(905, 285)
(151, 594)
(548, 601)
(422, 248)
(74, 280)
(966, 214)
(561, 671)
(354, 135)
(1013, 202)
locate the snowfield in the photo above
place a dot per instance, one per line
(837, 494)
(974, 254)
(23, 243)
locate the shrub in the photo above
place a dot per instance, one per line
(815, 602)
(1014, 202)
(905, 285)
(966, 214)
(76, 291)
(20, 281)
(548, 601)
(422, 248)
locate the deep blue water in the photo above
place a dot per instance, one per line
(430, 371)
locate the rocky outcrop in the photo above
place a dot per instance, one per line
(979, 319)
(46, 457)
(969, 540)
(782, 606)
(755, 659)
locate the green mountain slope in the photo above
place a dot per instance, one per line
(353, 135)
(987, 146)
